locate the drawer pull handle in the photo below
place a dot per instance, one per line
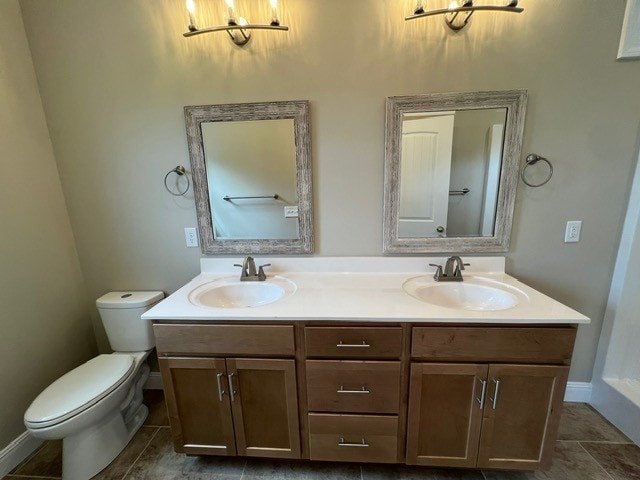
(342, 443)
(482, 394)
(494, 400)
(362, 390)
(221, 391)
(353, 345)
(232, 390)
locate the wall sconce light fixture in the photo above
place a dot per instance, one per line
(237, 27)
(459, 13)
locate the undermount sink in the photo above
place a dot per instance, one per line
(471, 294)
(229, 292)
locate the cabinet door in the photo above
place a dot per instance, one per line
(445, 413)
(200, 414)
(521, 416)
(265, 407)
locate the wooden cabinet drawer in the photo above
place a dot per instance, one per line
(353, 342)
(353, 438)
(494, 344)
(221, 340)
(352, 386)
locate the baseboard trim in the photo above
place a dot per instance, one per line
(17, 451)
(154, 382)
(578, 392)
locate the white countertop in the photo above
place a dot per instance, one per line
(363, 289)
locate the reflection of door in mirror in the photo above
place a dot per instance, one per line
(427, 141)
(251, 159)
(476, 163)
(450, 173)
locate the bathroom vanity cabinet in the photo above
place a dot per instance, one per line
(223, 396)
(438, 394)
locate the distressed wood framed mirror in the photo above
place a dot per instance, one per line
(251, 166)
(451, 171)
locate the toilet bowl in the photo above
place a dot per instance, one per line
(97, 407)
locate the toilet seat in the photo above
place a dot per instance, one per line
(79, 389)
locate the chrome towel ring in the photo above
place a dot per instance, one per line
(180, 171)
(532, 159)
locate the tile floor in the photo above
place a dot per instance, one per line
(588, 448)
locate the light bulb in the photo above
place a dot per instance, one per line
(274, 11)
(191, 8)
(453, 5)
(230, 11)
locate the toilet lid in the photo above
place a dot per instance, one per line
(79, 389)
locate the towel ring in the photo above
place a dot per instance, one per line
(180, 171)
(532, 159)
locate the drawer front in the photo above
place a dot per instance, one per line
(353, 342)
(220, 340)
(494, 344)
(352, 386)
(353, 438)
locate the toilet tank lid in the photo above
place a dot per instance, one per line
(129, 299)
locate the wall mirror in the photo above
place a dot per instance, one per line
(451, 171)
(251, 169)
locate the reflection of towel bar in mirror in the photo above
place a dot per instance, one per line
(464, 191)
(275, 196)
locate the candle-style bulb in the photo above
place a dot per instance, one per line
(231, 12)
(191, 8)
(274, 12)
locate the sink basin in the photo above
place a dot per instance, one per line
(231, 293)
(472, 294)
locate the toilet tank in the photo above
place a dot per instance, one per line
(120, 313)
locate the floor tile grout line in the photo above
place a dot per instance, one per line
(140, 454)
(244, 467)
(361, 473)
(28, 459)
(596, 460)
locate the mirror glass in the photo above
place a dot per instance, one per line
(252, 177)
(451, 167)
(449, 172)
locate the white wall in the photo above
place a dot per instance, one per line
(44, 316)
(115, 75)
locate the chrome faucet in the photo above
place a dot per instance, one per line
(248, 273)
(452, 270)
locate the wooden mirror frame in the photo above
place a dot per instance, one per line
(296, 110)
(515, 101)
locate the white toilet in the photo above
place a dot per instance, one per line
(97, 407)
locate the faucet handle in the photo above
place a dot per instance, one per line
(438, 274)
(261, 274)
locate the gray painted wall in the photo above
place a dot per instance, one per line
(45, 329)
(115, 74)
